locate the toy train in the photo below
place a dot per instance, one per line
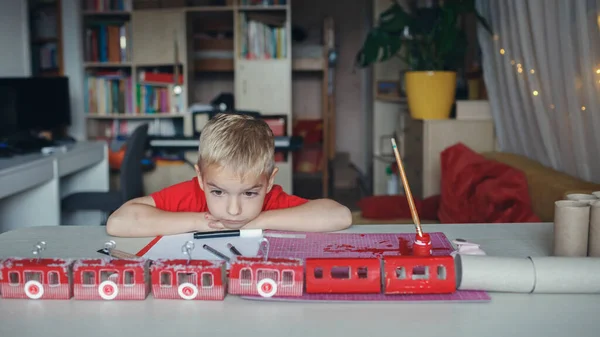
(109, 278)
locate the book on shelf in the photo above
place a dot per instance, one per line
(263, 36)
(107, 5)
(155, 93)
(158, 99)
(107, 42)
(108, 93)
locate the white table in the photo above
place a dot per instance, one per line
(32, 185)
(507, 315)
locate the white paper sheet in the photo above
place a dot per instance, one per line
(170, 247)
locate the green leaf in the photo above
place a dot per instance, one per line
(394, 19)
(379, 46)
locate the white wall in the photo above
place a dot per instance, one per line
(14, 39)
(73, 63)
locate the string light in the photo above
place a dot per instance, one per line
(597, 70)
(519, 67)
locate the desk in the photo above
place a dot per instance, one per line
(32, 185)
(507, 315)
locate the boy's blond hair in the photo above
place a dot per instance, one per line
(239, 143)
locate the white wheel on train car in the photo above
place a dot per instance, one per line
(108, 290)
(266, 287)
(187, 291)
(34, 289)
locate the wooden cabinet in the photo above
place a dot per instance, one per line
(154, 34)
(423, 141)
(264, 85)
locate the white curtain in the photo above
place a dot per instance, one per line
(542, 72)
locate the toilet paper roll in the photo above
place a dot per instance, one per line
(594, 233)
(566, 275)
(571, 228)
(492, 273)
(582, 197)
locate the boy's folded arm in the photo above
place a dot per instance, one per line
(140, 218)
(321, 215)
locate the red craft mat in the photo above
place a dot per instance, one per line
(362, 245)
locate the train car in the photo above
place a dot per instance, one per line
(36, 278)
(343, 275)
(252, 276)
(419, 274)
(188, 279)
(111, 279)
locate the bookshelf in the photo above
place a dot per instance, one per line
(214, 47)
(46, 37)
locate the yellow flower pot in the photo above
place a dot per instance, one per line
(430, 94)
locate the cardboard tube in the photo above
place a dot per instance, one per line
(492, 273)
(582, 197)
(594, 234)
(566, 275)
(571, 228)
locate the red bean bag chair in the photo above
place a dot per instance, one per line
(477, 190)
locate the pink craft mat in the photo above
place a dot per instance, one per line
(362, 245)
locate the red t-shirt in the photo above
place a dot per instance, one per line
(188, 197)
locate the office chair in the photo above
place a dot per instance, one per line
(131, 181)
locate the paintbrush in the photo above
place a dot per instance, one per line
(411, 203)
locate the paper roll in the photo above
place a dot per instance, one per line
(582, 197)
(491, 273)
(571, 228)
(566, 275)
(594, 233)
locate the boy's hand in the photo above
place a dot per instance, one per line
(213, 222)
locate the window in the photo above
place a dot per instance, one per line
(441, 272)
(267, 273)
(166, 279)
(53, 279)
(400, 273)
(245, 277)
(13, 278)
(340, 272)
(287, 278)
(207, 280)
(362, 272)
(111, 275)
(318, 272)
(33, 276)
(187, 278)
(420, 273)
(128, 278)
(88, 278)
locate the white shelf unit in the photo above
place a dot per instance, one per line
(161, 38)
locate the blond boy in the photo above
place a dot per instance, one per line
(233, 189)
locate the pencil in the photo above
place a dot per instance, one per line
(411, 203)
(216, 252)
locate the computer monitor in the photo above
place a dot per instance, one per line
(34, 104)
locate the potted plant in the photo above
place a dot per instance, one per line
(432, 43)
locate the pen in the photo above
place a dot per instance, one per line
(228, 233)
(233, 249)
(217, 253)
